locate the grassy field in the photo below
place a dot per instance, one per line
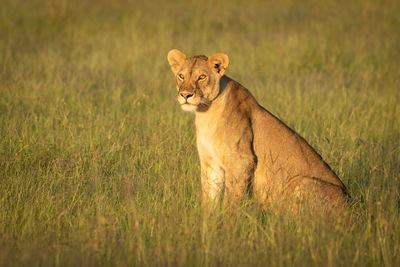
(98, 164)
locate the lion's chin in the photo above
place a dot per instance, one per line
(188, 107)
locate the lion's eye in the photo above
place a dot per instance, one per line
(181, 76)
(202, 77)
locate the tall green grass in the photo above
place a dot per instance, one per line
(98, 164)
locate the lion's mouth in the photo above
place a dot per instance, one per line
(189, 101)
(188, 104)
(193, 104)
(189, 107)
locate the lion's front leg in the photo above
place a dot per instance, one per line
(237, 181)
(212, 186)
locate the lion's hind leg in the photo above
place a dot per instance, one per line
(314, 192)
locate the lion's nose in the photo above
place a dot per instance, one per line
(186, 95)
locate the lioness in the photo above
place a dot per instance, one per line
(243, 147)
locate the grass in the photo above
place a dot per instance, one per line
(98, 164)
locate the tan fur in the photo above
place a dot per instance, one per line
(243, 147)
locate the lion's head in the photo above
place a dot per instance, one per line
(197, 78)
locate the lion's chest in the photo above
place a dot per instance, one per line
(211, 165)
(207, 145)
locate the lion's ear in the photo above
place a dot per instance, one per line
(219, 63)
(176, 59)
